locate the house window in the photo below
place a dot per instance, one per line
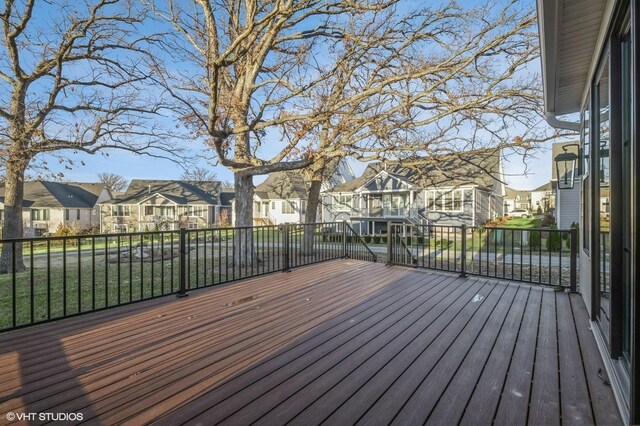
(39, 232)
(40, 214)
(343, 203)
(119, 229)
(457, 200)
(67, 214)
(273, 205)
(438, 201)
(148, 210)
(445, 201)
(289, 207)
(192, 225)
(1, 214)
(120, 211)
(191, 211)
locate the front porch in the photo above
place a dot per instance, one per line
(338, 342)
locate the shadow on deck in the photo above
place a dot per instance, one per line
(339, 342)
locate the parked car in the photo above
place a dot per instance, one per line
(520, 213)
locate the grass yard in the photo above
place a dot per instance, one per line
(81, 282)
(522, 223)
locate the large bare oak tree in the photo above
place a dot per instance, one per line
(72, 77)
(240, 70)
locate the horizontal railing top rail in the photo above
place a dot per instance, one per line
(142, 233)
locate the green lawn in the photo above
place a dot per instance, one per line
(522, 223)
(80, 282)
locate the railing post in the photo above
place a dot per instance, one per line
(389, 243)
(463, 259)
(182, 266)
(573, 274)
(287, 248)
(344, 240)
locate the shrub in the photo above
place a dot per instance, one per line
(535, 240)
(367, 239)
(63, 230)
(224, 218)
(554, 242)
(376, 239)
(539, 210)
(548, 220)
(383, 239)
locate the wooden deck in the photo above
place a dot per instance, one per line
(339, 343)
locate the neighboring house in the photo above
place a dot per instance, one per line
(567, 200)
(162, 205)
(282, 197)
(464, 188)
(543, 198)
(49, 205)
(516, 199)
(589, 57)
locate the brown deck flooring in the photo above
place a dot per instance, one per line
(339, 343)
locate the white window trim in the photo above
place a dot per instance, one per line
(125, 207)
(442, 194)
(341, 206)
(293, 204)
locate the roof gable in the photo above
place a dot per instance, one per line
(282, 186)
(470, 168)
(45, 194)
(178, 191)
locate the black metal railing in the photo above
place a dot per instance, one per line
(539, 256)
(72, 275)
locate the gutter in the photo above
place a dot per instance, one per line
(561, 124)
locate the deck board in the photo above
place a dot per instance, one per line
(339, 342)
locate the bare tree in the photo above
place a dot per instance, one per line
(113, 182)
(390, 100)
(249, 64)
(198, 174)
(78, 83)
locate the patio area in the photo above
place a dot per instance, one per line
(339, 342)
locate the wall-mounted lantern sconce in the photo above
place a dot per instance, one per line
(566, 167)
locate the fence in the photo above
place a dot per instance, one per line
(72, 275)
(539, 256)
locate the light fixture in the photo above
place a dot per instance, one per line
(566, 163)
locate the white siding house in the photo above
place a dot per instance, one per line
(48, 206)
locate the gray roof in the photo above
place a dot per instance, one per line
(282, 186)
(44, 194)
(516, 194)
(549, 186)
(227, 195)
(179, 191)
(480, 168)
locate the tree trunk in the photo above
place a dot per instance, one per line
(13, 227)
(311, 217)
(244, 255)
